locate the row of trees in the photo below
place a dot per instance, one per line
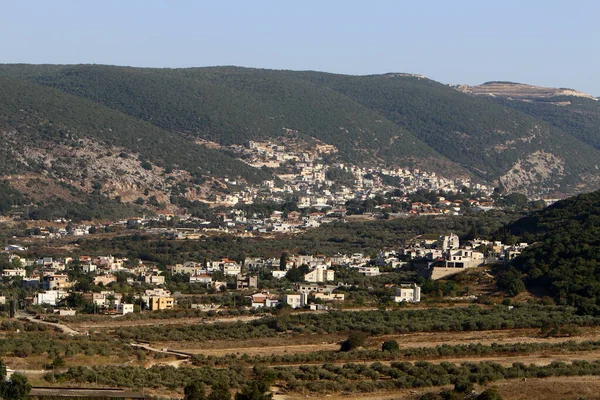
(350, 377)
(373, 322)
(390, 351)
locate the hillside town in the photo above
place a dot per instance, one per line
(309, 173)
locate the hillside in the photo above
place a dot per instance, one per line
(565, 259)
(234, 105)
(571, 111)
(57, 145)
(495, 142)
(401, 120)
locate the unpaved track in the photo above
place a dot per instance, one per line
(62, 327)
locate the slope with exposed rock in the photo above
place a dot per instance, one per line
(70, 123)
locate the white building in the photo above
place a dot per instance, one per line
(296, 300)
(232, 269)
(369, 271)
(279, 274)
(50, 297)
(409, 293)
(125, 308)
(14, 272)
(448, 242)
(320, 274)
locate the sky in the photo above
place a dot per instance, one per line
(546, 43)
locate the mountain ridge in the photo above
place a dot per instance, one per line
(394, 119)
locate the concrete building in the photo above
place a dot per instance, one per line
(409, 293)
(246, 282)
(450, 242)
(296, 300)
(161, 303)
(320, 274)
(50, 297)
(14, 272)
(125, 308)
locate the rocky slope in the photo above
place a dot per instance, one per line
(71, 123)
(520, 91)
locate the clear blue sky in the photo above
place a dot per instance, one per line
(550, 43)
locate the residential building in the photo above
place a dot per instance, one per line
(50, 297)
(52, 282)
(14, 272)
(409, 293)
(246, 282)
(296, 300)
(320, 274)
(329, 296)
(125, 308)
(161, 303)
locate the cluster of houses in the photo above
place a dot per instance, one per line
(446, 256)
(49, 279)
(303, 172)
(434, 259)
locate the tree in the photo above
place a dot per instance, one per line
(194, 391)
(283, 261)
(75, 300)
(58, 362)
(220, 391)
(463, 386)
(354, 341)
(2, 371)
(490, 394)
(255, 390)
(295, 275)
(17, 388)
(510, 281)
(390, 345)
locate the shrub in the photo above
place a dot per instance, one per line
(390, 345)
(354, 341)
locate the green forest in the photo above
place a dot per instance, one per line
(566, 250)
(390, 119)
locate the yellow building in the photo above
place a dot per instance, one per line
(162, 303)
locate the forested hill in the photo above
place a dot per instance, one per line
(566, 258)
(391, 119)
(237, 105)
(34, 116)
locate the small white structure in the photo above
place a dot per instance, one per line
(369, 271)
(279, 274)
(14, 272)
(409, 293)
(125, 308)
(296, 300)
(50, 297)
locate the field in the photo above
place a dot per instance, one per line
(308, 364)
